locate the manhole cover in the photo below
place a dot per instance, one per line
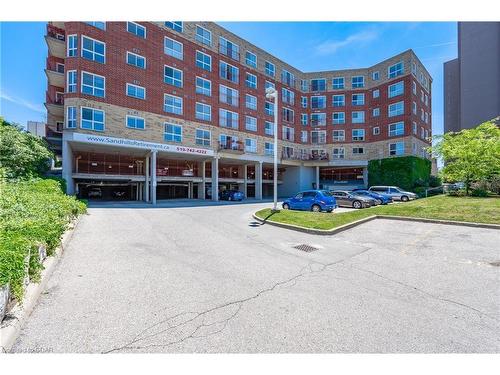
(495, 264)
(306, 248)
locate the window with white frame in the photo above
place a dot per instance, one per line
(396, 149)
(338, 153)
(203, 86)
(135, 91)
(269, 108)
(173, 76)
(422, 114)
(422, 132)
(288, 114)
(303, 136)
(268, 85)
(358, 134)
(426, 99)
(318, 137)
(203, 112)
(287, 78)
(228, 95)
(338, 135)
(173, 48)
(375, 94)
(251, 123)
(414, 69)
(303, 119)
(229, 72)
(376, 112)
(318, 119)
(287, 151)
(396, 129)
(395, 70)
(318, 102)
(229, 48)
(92, 119)
(422, 95)
(396, 89)
(251, 59)
(396, 109)
(358, 117)
(72, 47)
(136, 60)
(136, 29)
(338, 100)
(303, 101)
(318, 84)
(250, 145)
(135, 122)
(71, 117)
(358, 150)
(358, 99)
(426, 134)
(414, 108)
(203, 35)
(93, 84)
(269, 128)
(172, 104)
(376, 130)
(414, 87)
(203, 61)
(357, 82)
(414, 127)
(426, 118)
(269, 69)
(269, 148)
(228, 119)
(93, 50)
(338, 83)
(172, 133)
(175, 25)
(338, 118)
(72, 77)
(251, 102)
(202, 137)
(251, 80)
(287, 96)
(288, 134)
(376, 76)
(304, 85)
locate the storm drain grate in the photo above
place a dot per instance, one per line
(306, 248)
(495, 264)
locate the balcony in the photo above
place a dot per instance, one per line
(54, 78)
(55, 39)
(92, 163)
(313, 156)
(54, 104)
(232, 146)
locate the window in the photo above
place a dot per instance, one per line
(338, 118)
(414, 108)
(303, 136)
(338, 153)
(395, 70)
(426, 118)
(396, 89)
(269, 108)
(396, 109)
(375, 94)
(422, 96)
(203, 112)
(318, 137)
(172, 104)
(396, 129)
(358, 150)
(422, 132)
(287, 78)
(173, 76)
(318, 119)
(135, 122)
(396, 149)
(269, 148)
(71, 117)
(136, 29)
(268, 84)
(71, 81)
(422, 114)
(136, 60)
(251, 81)
(92, 84)
(303, 119)
(251, 59)
(203, 86)
(72, 45)
(251, 102)
(288, 114)
(357, 82)
(303, 101)
(203, 61)
(229, 72)
(318, 84)
(426, 99)
(99, 25)
(287, 96)
(228, 119)
(414, 127)
(304, 85)
(426, 134)
(229, 48)
(318, 102)
(338, 100)
(376, 76)
(414, 69)
(270, 69)
(414, 87)
(288, 134)
(92, 119)
(358, 99)
(135, 91)
(269, 128)
(173, 48)
(376, 130)
(287, 152)
(358, 117)
(202, 137)
(339, 135)
(93, 50)
(251, 123)
(173, 133)
(228, 95)
(358, 134)
(338, 83)
(175, 25)
(203, 36)
(250, 145)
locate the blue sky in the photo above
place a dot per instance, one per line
(309, 46)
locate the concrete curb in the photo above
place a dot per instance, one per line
(19, 314)
(370, 218)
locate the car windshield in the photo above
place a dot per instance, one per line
(326, 193)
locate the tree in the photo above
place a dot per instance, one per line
(470, 155)
(21, 153)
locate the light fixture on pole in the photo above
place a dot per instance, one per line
(271, 93)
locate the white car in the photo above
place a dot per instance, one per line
(394, 192)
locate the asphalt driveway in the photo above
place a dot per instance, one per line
(208, 279)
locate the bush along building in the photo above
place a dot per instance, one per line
(159, 110)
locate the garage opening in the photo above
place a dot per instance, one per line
(107, 191)
(172, 191)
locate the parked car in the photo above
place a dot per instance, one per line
(311, 200)
(95, 193)
(347, 199)
(394, 192)
(119, 193)
(231, 195)
(380, 198)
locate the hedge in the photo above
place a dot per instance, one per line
(407, 172)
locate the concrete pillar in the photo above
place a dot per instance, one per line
(190, 190)
(201, 185)
(215, 179)
(153, 177)
(146, 183)
(258, 181)
(317, 177)
(67, 167)
(365, 176)
(245, 180)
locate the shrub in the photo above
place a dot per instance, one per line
(406, 172)
(479, 193)
(457, 193)
(435, 181)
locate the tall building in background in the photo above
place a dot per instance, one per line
(178, 110)
(36, 128)
(472, 81)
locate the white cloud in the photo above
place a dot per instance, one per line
(23, 103)
(331, 46)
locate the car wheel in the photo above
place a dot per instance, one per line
(229, 198)
(404, 198)
(357, 204)
(286, 206)
(315, 208)
(380, 201)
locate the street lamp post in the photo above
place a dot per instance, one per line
(271, 93)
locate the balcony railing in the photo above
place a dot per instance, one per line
(230, 145)
(56, 32)
(305, 157)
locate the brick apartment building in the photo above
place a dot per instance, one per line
(163, 110)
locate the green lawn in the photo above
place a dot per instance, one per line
(478, 210)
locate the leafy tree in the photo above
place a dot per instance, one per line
(21, 153)
(470, 155)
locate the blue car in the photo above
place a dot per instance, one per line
(311, 200)
(382, 198)
(231, 195)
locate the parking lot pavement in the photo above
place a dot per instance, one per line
(210, 279)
